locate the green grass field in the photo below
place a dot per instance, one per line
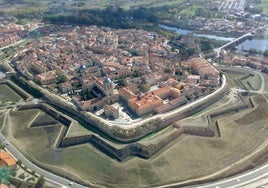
(77, 130)
(129, 3)
(264, 5)
(8, 95)
(253, 83)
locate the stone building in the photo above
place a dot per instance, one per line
(111, 112)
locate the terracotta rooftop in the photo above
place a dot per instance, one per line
(8, 160)
(144, 101)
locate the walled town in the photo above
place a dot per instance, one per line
(97, 66)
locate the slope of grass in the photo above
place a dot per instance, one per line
(8, 95)
(189, 157)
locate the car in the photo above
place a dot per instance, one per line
(71, 183)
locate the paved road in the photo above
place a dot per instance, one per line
(240, 180)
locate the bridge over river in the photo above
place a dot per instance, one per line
(234, 42)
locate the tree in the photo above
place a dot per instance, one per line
(178, 72)
(33, 172)
(144, 88)
(13, 1)
(252, 51)
(2, 146)
(19, 162)
(120, 81)
(265, 53)
(62, 78)
(40, 182)
(13, 173)
(254, 10)
(4, 174)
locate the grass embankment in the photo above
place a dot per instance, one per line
(252, 82)
(29, 139)
(243, 78)
(187, 158)
(76, 129)
(8, 95)
(1, 119)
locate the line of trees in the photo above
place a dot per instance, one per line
(112, 17)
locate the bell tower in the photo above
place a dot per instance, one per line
(108, 86)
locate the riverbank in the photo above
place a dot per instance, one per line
(258, 43)
(197, 31)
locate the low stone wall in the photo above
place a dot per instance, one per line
(229, 109)
(198, 131)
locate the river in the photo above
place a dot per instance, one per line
(258, 44)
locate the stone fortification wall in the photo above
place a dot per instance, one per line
(115, 132)
(196, 108)
(126, 151)
(222, 111)
(71, 141)
(134, 149)
(65, 121)
(154, 148)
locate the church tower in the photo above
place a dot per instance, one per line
(108, 86)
